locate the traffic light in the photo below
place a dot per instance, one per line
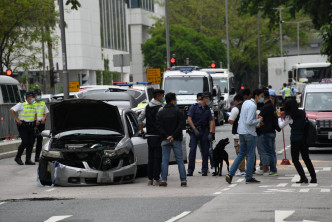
(9, 72)
(242, 87)
(173, 61)
(213, 64)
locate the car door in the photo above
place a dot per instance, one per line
(140, 144)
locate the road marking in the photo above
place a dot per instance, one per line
(225, 189)
(282, 184)
(49, 190)
(296, 178)
(280, 190)
(232, 185)
(284, 178)
(57, 218)
(313, 185)
(281, 215)
(216, 193)
(282, 150)
(326, 168)
(185, 213)
(325, 190)
(2, 203)
(296, 185)
(304, 190)
(239, 180)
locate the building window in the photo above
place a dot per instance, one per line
(113, 24)
(144, 4)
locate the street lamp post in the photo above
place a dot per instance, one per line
(168, 51)
(227, 37)
(259, 49)
(280, 27)
(298, 33)
(64, 51)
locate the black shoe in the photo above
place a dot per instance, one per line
(36, 159)
(313, 180)
(204, 174)
(189, 174)
(229, 178)
(19, 161)
(29, 162)
(303, 181)
(252, 180)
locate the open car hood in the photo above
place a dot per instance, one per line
(84, 114)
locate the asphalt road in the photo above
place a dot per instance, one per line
(205, 199)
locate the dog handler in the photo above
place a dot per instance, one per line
(200, 121)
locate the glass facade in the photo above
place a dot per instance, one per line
(144, 4)
(113, 24)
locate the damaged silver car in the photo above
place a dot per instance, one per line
(89, 144)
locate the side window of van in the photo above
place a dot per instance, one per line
(10, 94)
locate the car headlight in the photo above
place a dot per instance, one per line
(52, 154)
(116, 152)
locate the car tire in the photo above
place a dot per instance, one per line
(44, 173)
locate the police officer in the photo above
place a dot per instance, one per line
(26, 122)
(42, 113)
(285, 91)
(202, 131)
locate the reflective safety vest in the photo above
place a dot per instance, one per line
(28, 114)
(287, 92)
(40, 108)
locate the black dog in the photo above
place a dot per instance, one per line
(219, 156)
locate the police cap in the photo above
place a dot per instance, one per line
(37, 92)
(206, 94)
(29, 93)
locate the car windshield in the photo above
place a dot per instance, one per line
(315, 74)
(186, 85)
(318, 101)
(88, 132)
(222, 83)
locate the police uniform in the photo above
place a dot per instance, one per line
(41, 110)
(201, 117)
(27, 114)
(286, 92)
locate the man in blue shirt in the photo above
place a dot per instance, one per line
(202, 131)
(247, 133)
(271, 91)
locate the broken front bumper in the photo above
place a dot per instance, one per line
(64, 175)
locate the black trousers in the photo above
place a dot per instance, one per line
(154, 157)
(39, 140)
(27, 136)
(296, 149)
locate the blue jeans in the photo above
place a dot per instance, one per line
(268, 140)
(177, 149)
(203, 140)
(247, 145)
(262, 151)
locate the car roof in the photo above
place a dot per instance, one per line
(312, 65)
(320, 87)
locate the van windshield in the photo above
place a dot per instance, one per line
(186, 85)
(222, 83)
(318, 101)
(315, 74)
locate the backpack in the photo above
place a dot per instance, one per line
(310, 133)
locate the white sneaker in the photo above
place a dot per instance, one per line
(243, 174)
(212, 169)
(259, 172)
(266, 174)
(239, 174)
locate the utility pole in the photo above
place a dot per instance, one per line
(64, 51)
(168, 50)
(259, 49)
(280, 28)
(298, 33)
(227, 38)
(44, 73)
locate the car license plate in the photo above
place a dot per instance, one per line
(105, 177)
(329, 135)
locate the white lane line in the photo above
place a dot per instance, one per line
(49, 190)
(326, 168)
(2, 203)
(325, 190)
(233, 185)
(284, 178)
(281, 215)
(239, 180)
(225, 189)
(304, 190)
(217, 193)
(57, 218)
(296, 178)
(185, 213)
(313, 185)
(296, 185)
(282, 184)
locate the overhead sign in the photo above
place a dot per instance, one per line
(153, 75)
(121, 60)
(74, 86)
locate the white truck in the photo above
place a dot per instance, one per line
(225, 80)
(186, 82)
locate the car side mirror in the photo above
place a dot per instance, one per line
(46, 133)
(214, 92)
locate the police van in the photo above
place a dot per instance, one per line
(186, 82)
(10, 90)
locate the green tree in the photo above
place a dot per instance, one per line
(185, 43)
(21, 32)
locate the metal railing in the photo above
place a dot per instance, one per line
(8, 126)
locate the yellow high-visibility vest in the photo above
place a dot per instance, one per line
(29, 112)
(40, 108)
(287, 92)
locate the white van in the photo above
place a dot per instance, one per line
(10, 90)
